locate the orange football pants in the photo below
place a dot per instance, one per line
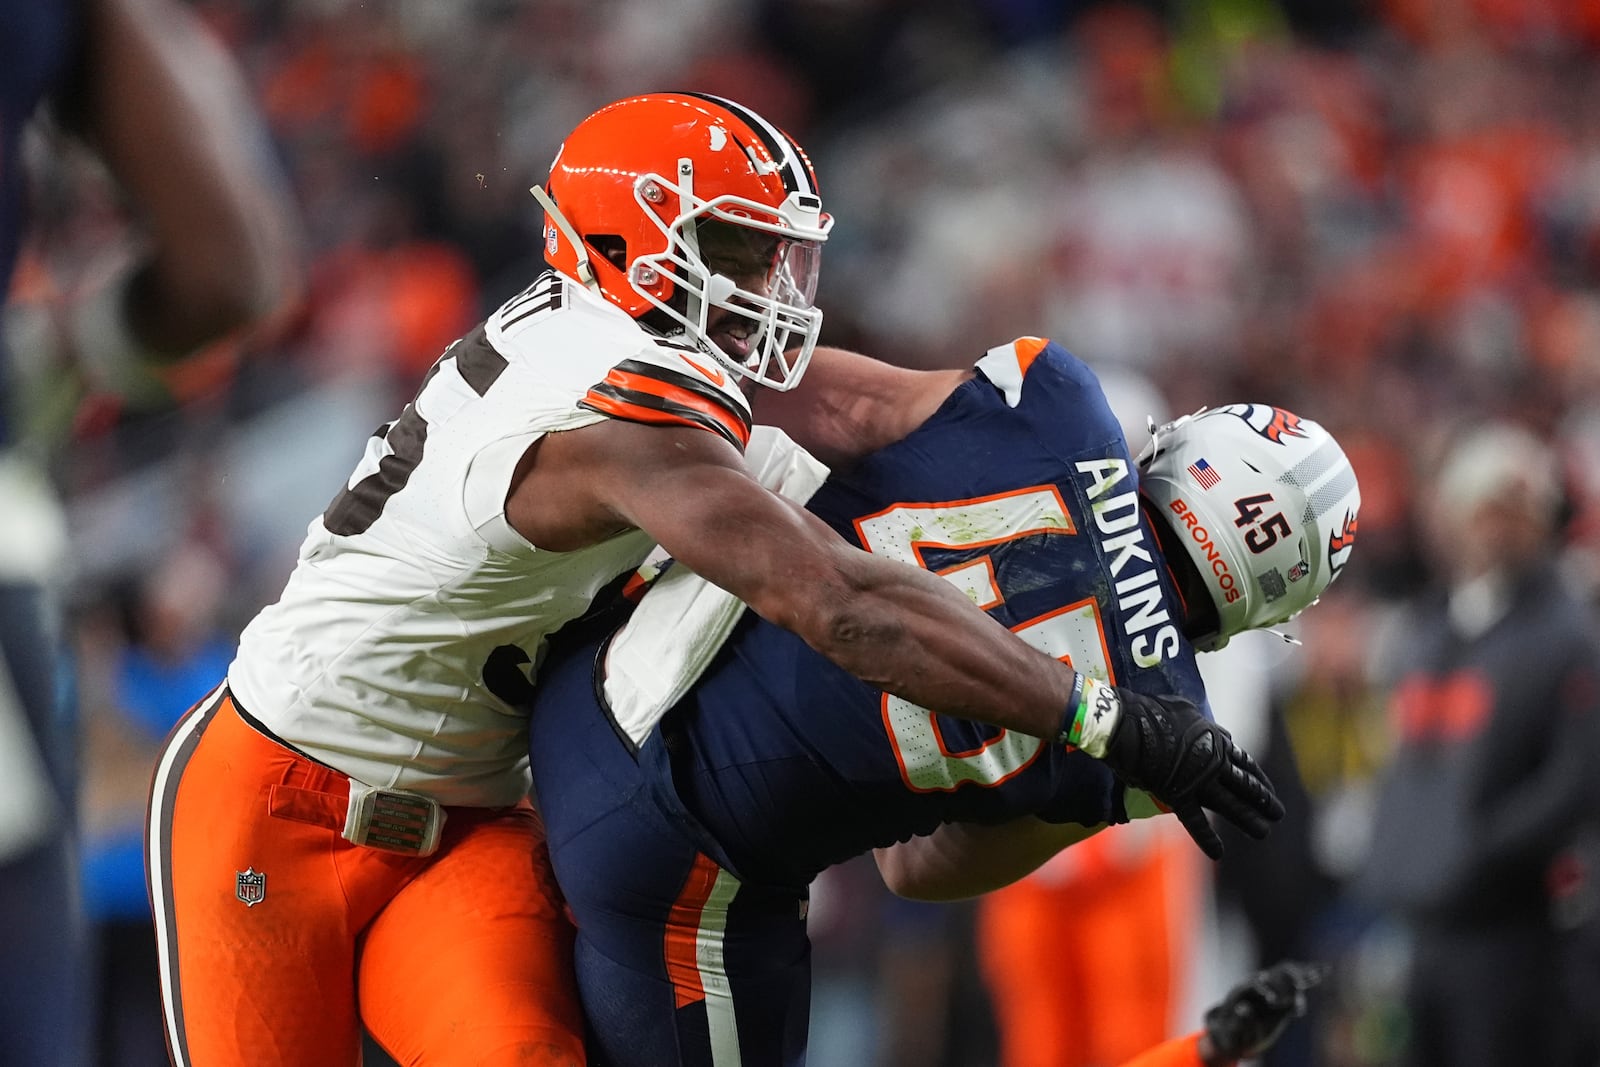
(1082, 971)
(462, 957)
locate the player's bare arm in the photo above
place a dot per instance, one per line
(898, 628)
(172, 118)
(849, 405)
(960, 859)
(704, 242)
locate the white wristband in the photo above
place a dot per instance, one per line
(1102, 710)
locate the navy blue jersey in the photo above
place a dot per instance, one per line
(38, 43)
(686, 864)
(1020, 490)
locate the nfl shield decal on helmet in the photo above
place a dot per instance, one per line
(250, 886)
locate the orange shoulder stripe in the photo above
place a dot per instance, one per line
(640, 392)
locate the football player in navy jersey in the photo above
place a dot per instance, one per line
(360, 777)
(161, 104)
(686, 820)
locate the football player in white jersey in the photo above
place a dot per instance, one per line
(339, 835)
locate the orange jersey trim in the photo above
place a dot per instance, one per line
(1027, 350)
(640, 392)
(633, 589)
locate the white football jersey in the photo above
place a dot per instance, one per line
(416, 617)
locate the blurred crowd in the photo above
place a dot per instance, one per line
(1384, 216)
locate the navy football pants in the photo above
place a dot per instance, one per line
(678, 961)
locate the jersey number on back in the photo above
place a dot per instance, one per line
(1073, 633)
(396, 448)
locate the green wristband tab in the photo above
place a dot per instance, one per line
(1077, 708)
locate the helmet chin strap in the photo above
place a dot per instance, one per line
(1152, 449)
(585, 271)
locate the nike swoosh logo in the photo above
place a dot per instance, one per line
(713, 373)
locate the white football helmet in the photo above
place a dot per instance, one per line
(1266, 504)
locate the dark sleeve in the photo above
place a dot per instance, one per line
(69, 96)
(1524, 826)
(1277, 884)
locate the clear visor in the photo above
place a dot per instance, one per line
(761, 262)
(744, 279)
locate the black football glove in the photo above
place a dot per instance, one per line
(1166, 747)
(1254, 1013)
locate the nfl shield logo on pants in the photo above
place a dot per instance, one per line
(250, 887)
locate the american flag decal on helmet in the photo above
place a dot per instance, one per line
(1204, 473)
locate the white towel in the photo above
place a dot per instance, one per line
(682, 621)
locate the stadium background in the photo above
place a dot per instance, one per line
(1383, 215)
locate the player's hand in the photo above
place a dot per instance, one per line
(1166, 747)
(1254, 1013)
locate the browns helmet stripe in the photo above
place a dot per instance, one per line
(794, 167)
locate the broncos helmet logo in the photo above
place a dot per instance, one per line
(1272, 423)
(1340, 542)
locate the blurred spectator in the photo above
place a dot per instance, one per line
(1249, 1020)
(846, 931)
(926, 955)
(1328, 744)
(1333, 714)
(166, 654)
(166, 113)
(1497, 710)
(1380, 214)
(1085, 958)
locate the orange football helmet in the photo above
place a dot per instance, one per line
(711, 207)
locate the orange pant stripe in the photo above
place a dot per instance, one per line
(682, 942)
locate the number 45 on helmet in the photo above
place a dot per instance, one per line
(1264, 504)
